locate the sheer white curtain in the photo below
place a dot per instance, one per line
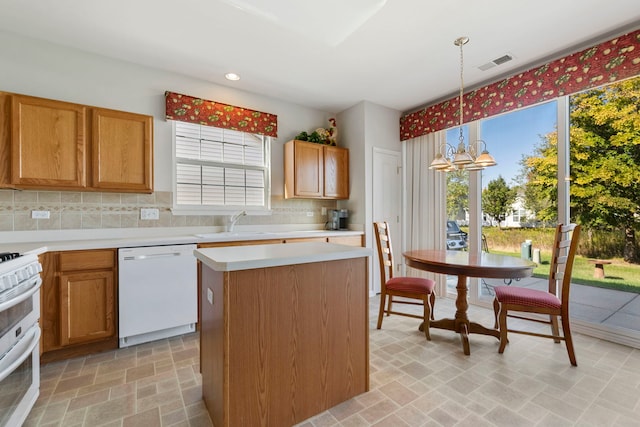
(425, 200)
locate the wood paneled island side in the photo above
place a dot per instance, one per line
(284, 331)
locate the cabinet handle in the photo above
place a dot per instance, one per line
(19, 352)
(20, 293)
(139, 257)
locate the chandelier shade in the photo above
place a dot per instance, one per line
(464, 157)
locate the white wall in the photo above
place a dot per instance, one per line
(46, 70)
(363, 127)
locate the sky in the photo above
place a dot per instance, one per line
(511, 135)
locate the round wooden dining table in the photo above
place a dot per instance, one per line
(467, 264)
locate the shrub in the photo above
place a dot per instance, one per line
(593, 243)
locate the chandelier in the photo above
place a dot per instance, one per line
(473, 157)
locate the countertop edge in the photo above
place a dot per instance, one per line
(236, 258)
(189, 237)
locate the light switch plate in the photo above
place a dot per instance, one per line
(210, 296)
(149, 213)
(40, 214)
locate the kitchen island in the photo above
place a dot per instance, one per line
(284, 333)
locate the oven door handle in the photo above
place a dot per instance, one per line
(19, 352)
(24, 291)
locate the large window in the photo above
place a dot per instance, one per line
(219, 169)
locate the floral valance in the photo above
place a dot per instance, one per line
(196, 110)
(607, 62)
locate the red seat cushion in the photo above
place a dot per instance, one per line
(416, 285)
(525, 296)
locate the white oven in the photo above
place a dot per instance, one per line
(19, 338)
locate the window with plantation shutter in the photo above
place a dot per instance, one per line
(220, 169)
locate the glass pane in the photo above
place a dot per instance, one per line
(233, 154)
(211, 133)
(254, 154)
(519, 197)
(188, 130)
(189, 174)
(234, 196)
(255, 178)
(233, 136)
(255, 196)
(187, 148)
(605, 200)
(212, 175)
(212, 195)
(234, 177)
(211, 151)
(188, 194)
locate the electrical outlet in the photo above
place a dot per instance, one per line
(149, 213)
(309, 213)
(210, 296)
(40, 214)
(324, 211)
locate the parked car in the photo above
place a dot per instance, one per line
(456, 238)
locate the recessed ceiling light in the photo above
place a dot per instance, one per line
(232, 76)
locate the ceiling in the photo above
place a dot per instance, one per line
(327, 54)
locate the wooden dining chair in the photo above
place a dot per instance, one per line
(518, 299)
(407, 287)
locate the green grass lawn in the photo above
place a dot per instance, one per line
(618, 275)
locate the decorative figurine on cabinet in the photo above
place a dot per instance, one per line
(333, 132)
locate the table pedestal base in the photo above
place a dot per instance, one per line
(463, 328)
(460, 323)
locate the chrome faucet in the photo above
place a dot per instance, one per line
(233, 219)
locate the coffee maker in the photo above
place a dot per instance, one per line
(338, 219)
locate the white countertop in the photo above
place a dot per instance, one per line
(67, 240)
(234, 258)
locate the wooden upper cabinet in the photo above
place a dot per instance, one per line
(315, 171)
(48, 143)
(55, 145)
(336, 172)
(304, 169)
(122, 151)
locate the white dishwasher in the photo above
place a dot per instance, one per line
(158, 292)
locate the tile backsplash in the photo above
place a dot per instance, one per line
(89, 210)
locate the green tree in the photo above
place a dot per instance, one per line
(497, 199)
(457, 193)
(605, 160)
(539, 180)
(604, 163)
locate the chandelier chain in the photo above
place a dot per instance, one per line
(461, 82)
(473, 157)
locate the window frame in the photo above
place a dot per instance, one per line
(182, 209)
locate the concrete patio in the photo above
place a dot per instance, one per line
(605, 307)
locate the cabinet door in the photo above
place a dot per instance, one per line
(306, 169)
(336, 173)
(305, 239)
(48, 143)
(87, 307)
(122, 151)
(5, 140)
(346, 240)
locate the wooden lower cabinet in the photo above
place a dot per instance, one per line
(347, 240)
(87, 309)
(281, 344)
(78, 303)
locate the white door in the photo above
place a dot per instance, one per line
(387, 204)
